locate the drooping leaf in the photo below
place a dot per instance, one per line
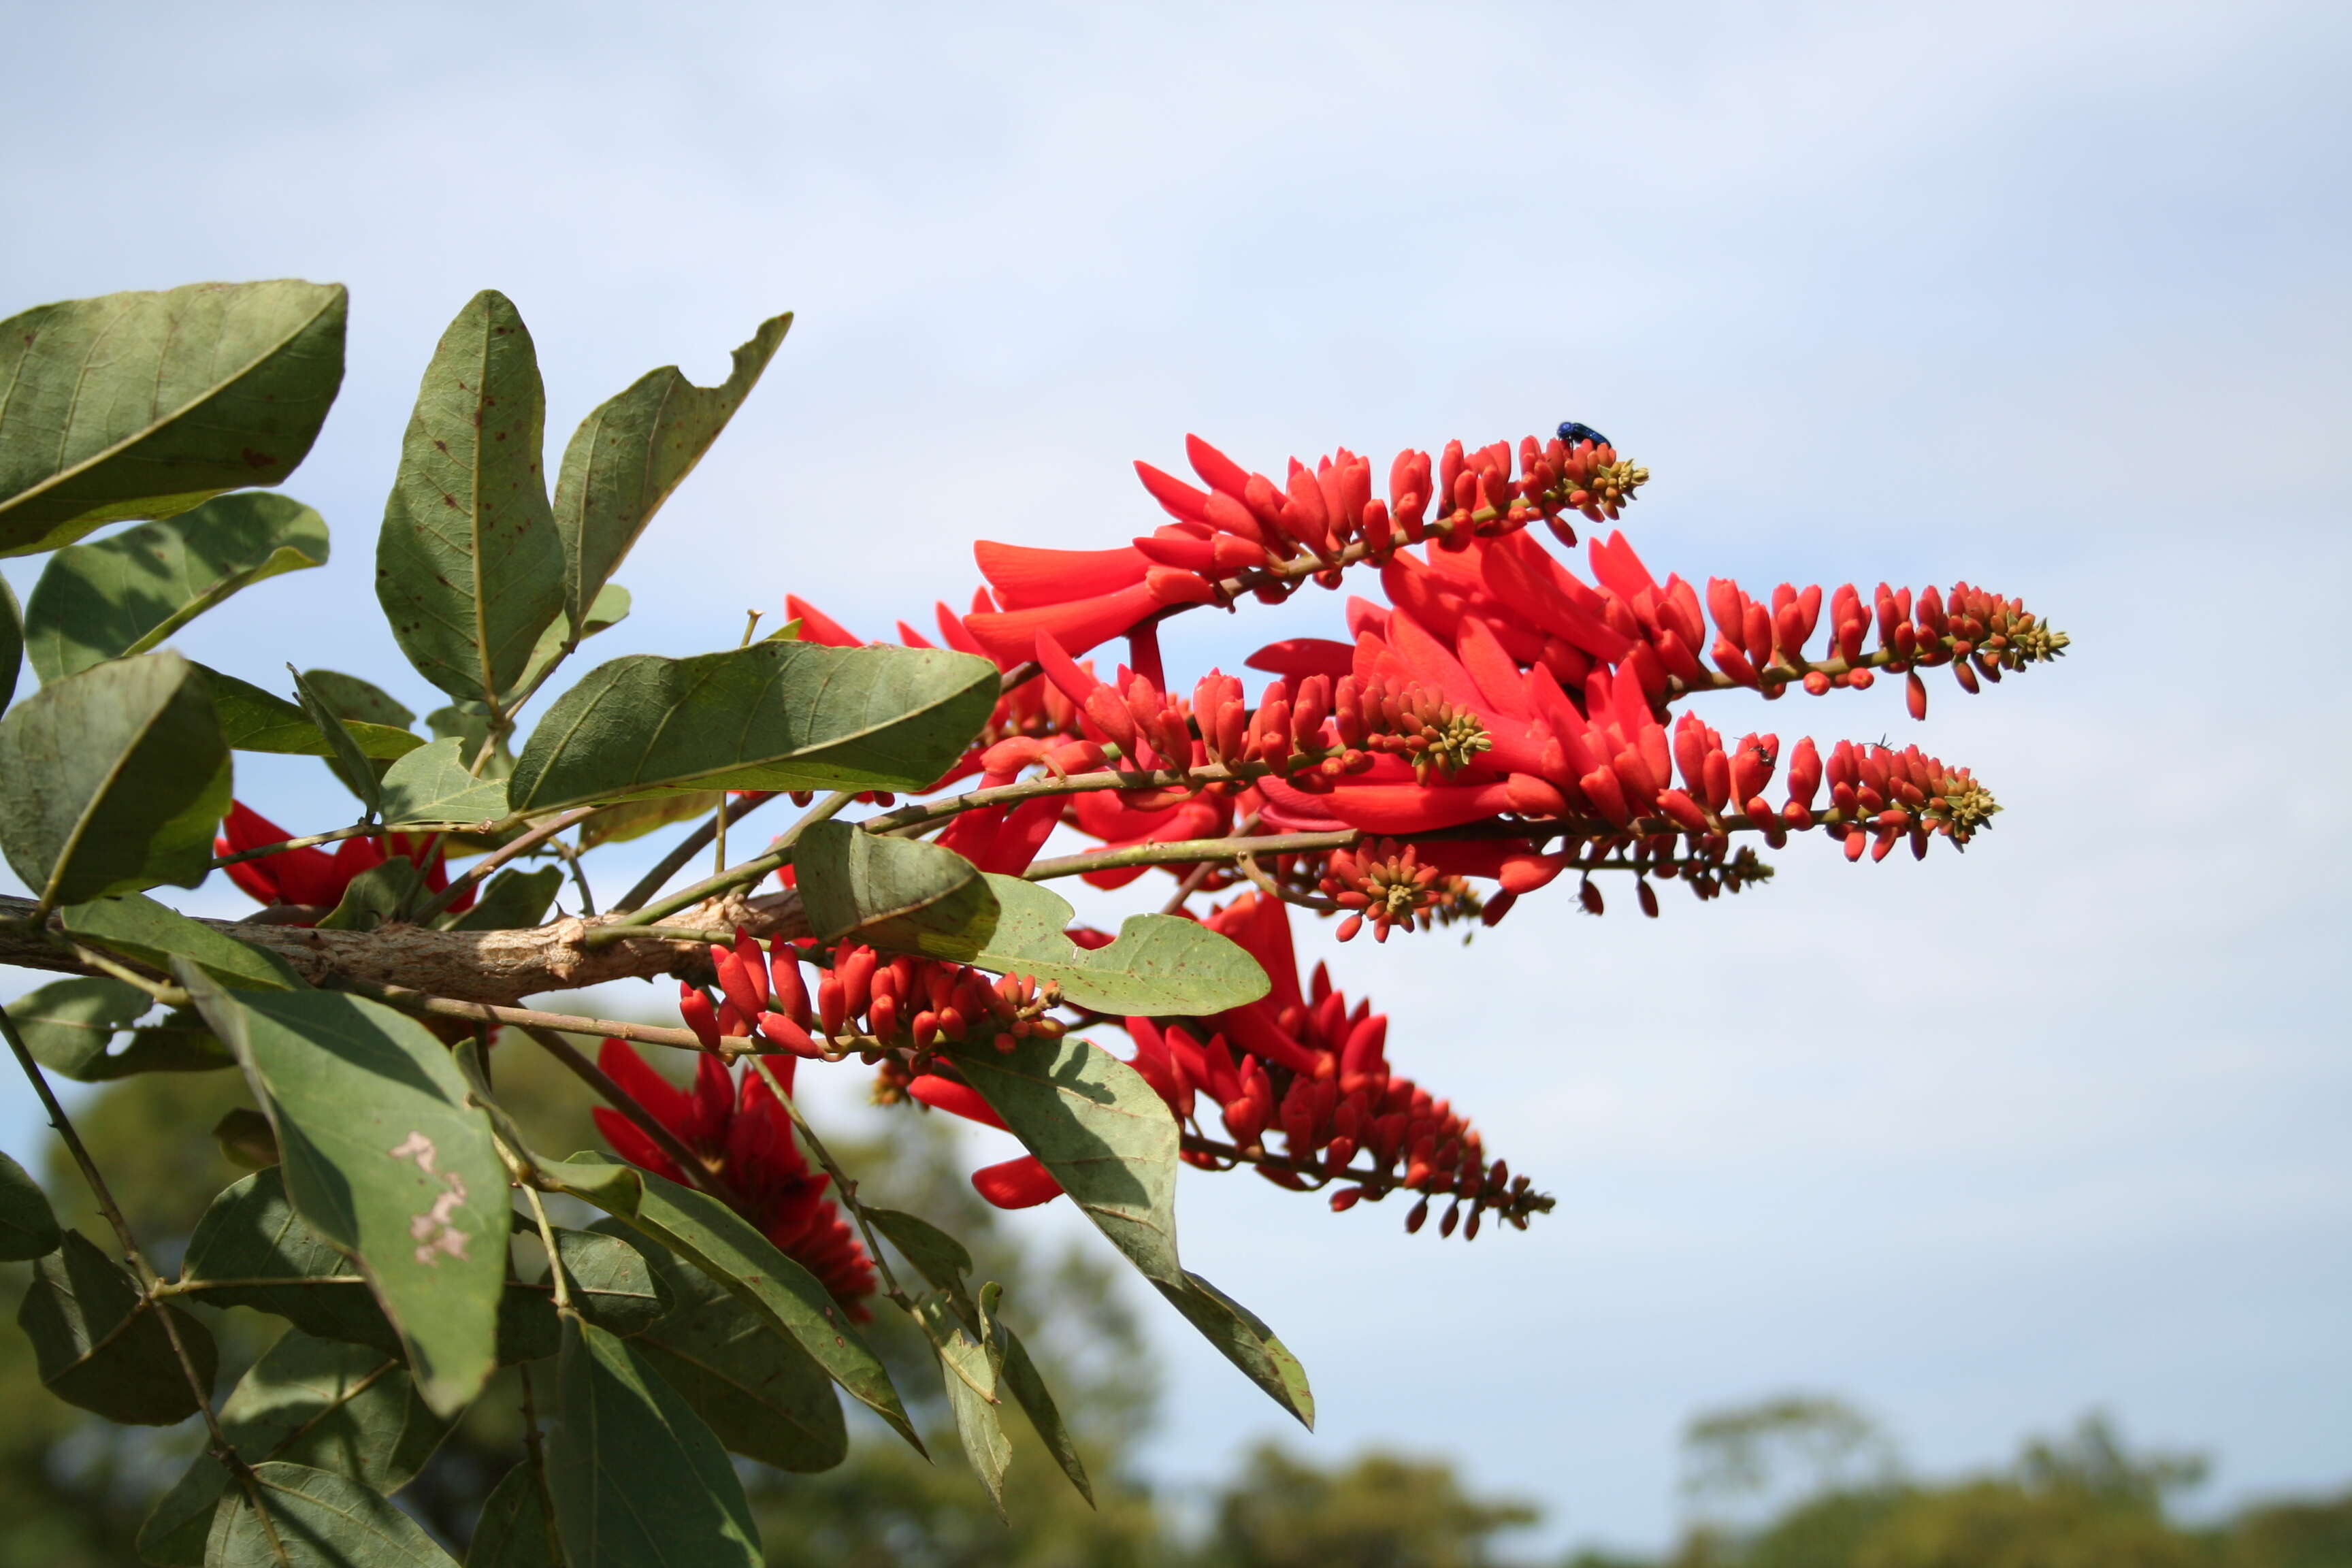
(514, 900)
(336, 1407)
(713, 1238)
(130, 591)
(28, 1227)
(251, 1250)
(379, 893)
(969, 1371)
(635, 818)
(757, 1391)
(940, 1257)
(70, 1025)
(101, 1346)
(556, 643)
(432, 786)
(320, 1521)
(1018, 1376)
(358, 701)
(344, 755)
(146, 405)
(12, 643)
(914, 897)
(470, 568)
(136, 926)
(246, 1138)
(629, 455)
(512, 1531)
(639, 1481)
(385, 1156)
(254, 720)
(770, 716)
(612, 1284)
(117, 777)
(1111, 1141)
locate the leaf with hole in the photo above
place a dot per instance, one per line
(771, 716)
(757, 1391)
(342, 1408)
(99, 1345)
(913, 897)
(713, 1238)
(146, 405)
(253, 720)
(127, 592)
(432, 786)
(135, 926)
(316, 1519)
(117, 778)
(28, 1227)
(639, 1481)
(633, 451)
(1111, 1141)
(470, 568)
(385, 1156)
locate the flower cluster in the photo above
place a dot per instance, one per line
(311, 879)
(744, 1141)
(1500, 721)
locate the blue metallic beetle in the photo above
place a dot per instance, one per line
(1572, 432)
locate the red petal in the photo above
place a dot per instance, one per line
(1026, 577)
(816, 626)
(1021, 1184)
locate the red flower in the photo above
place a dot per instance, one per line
(745, 1139)
(312, 876)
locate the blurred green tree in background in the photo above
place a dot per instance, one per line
(1795, 1481)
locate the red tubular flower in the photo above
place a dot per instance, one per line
(744, 1138)
(313, 878)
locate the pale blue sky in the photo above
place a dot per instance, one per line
(2050, 297)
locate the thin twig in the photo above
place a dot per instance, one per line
(571, 858)
(481, 868)
(1186, 851)
(310, 842)
(749, 871)
(843, 1183)
(418, 1002)
(535, 1455)
(686, 849)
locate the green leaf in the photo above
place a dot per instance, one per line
(635, 818)
(251, 1250)
(914, 897)
(383, 1154)
(512, 1531)
(350, 763)
(629, 455)
(639, 1481)
(103, 1347)
(12, 643)
(146, 405)
(130, 591)
(970, 1373)
(514, 900)
(731, 1249)
(431, 786)
(379, 893)
(246, 1138)
(1111, 1142)
(355, 701)
(336, 1407)
(321, 1520)
(470, 722)
(254, 720)
(69, 1026)
(135, 926)
(1019, 1376)
(613, 1286)
(757, 1391)
(770, 716)
(937, 1257)
(470, 568)
(28, 1227)
(117, 777)
(556, 644)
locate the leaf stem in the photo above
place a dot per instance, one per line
(425, 1005)
(693, 843)
(843, 1183)
(473, 874)
(312, 842)
(749, 871)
